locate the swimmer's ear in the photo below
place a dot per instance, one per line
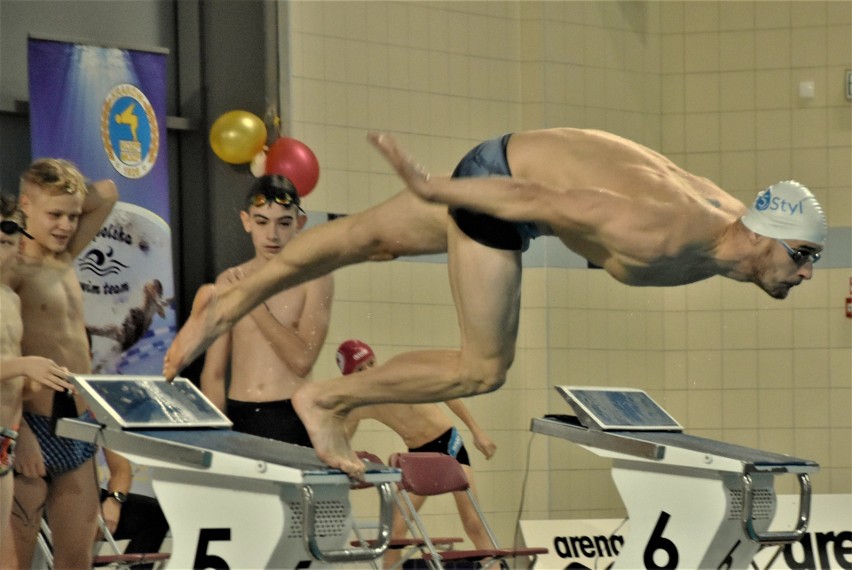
(24, 201)
(246, 220)
(301, 220)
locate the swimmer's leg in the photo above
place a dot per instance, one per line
(471, 522)
(486, 287)
(72, 509)
(30, 495)
(399, 530)
(402, 225)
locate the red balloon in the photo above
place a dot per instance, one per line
(294, 160)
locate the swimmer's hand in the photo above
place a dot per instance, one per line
(170, 372)
(42, 371)
(414, 175)
(196, 334)
(29, 460)
(484, 444)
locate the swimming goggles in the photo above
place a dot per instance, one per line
(800, 256)
(285, 200)
(11, 227)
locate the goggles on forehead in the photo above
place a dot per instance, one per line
(11, 227)
(285, 200)
(800, 256)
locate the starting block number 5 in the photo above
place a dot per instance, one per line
(205, 560)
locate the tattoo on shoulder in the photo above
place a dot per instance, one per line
(715, 202)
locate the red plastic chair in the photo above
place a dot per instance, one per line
(414, 545)
(430, 474)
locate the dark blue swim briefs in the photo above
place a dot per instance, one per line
(489, 159)
(61, 454)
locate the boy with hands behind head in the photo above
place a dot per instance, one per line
(63, 213)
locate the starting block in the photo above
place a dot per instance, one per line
(233, 500)
(692, 502)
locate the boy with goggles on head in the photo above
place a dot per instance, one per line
(272, 350)
(273, 188)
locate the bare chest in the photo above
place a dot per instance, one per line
(51, 295)
(11, 325)
(668, 271)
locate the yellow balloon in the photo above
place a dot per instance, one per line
(237, 136)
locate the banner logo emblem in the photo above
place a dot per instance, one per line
(129, 131)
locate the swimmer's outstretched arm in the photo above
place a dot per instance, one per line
(511, 199)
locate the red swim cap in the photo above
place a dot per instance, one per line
(350, 355)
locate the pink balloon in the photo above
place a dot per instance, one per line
(294, 160)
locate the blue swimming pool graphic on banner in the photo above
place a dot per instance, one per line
(104, 108)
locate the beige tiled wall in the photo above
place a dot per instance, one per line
(731, 111)
(712, 84)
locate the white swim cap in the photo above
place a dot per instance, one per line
(787, 210)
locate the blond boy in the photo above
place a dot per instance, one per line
(15, 369)
(55, 474)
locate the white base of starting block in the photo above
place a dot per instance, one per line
(698, 518)
(692, 502)
(245, 523)
(232, 500)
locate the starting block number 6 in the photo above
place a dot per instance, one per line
(659, 543)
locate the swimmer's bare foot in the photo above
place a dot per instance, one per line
(199, 332)
(414, 175)
(326, 430)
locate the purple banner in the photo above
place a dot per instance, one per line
(104, 109)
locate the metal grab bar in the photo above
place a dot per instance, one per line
(779, 537)
(347, 554)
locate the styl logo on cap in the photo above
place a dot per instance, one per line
(767, 201)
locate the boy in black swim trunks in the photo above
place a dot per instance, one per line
(423, 427)
(272, 350)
